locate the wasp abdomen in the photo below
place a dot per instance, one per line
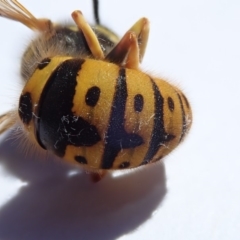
(101, 118)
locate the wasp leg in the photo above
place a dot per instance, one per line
(132, 60)
(141, 29)
(89, 35)
(97, 176)
(6, 121)
(126, 52)
(131, 48)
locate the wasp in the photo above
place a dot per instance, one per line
(85, 98)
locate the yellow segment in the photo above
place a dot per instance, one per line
(103, 75)
(140, 123)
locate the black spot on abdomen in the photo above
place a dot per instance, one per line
(138, 103)
(170, 104)
(44, 63)
(81, 159)
(124, 165)
(92, 96)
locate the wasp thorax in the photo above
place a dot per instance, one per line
(61, 41)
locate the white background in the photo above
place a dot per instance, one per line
(195, 192)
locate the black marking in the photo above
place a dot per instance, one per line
(73, 43)
(81, 159)
(70, 42)
(159, 136)
(44, 63)
(25, 108)
(170, 104)
(92, 96)
(116, 137)
(105, 43)
(138, 103)
(57, 126)
(184, 123)
(186, 101)
(124, 165)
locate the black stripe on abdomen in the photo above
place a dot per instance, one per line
(56, 125)
(159, 136)
(184, 123)
(116, 137)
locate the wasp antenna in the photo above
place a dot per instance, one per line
(13, 10)
(6, 121)
(89, 35)
(96, 11)
(126, 52)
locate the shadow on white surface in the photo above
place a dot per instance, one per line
(54, 205)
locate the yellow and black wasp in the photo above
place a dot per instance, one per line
(85, 98)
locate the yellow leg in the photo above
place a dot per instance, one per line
(131, 48)
(132, 60)
(141, 29)
(97, 176)
(89, 35)
(126, 52)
